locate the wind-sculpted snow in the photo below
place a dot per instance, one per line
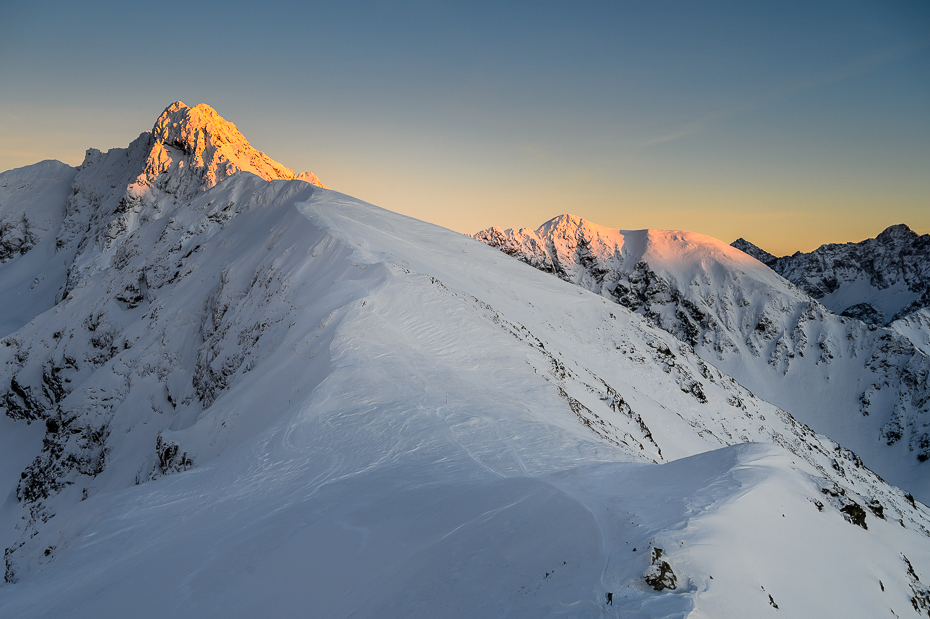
(272, 399)
(316, 353)
(864, 386)
(876, 280)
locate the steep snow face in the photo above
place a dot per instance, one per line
(32, 208)
(32, 204)
(864, 386)
(916, 328)
(876, 280)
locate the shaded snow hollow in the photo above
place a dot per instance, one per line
(269, 398)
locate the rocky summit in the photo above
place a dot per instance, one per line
(877, 280)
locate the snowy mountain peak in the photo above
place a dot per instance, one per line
(213, 147)
(564, 222)
(188, 151)
(876, 280)
(585, 253)
(895, 233)
(179, 121)
(753, 250)
(741, 316)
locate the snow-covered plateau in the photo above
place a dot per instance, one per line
(232, 392)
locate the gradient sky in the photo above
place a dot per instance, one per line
(788, 123)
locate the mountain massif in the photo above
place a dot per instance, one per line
(231, 391)
(860, 384)
(877, 280)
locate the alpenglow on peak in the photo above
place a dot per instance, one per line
(188, 151)
(215, 146)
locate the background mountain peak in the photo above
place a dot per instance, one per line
(897, 231)
(878, 280)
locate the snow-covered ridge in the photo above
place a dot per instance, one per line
(261, 397)
(864, 386)
(876, 280)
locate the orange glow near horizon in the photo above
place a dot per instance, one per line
(479, 185)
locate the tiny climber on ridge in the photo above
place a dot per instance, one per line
(610, 599)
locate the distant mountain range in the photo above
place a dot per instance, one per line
(876, 280)
(862, 385)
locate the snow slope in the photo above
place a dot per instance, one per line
(32, 207)
(273, 399)
(31, 204)
(916, 328)
(863, 386)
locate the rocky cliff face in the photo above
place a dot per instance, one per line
(862, 385)
(876, 280)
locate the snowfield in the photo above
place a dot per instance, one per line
(240, 396)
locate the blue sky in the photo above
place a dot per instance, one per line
(791, 124)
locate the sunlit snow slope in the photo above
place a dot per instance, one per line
(862, 385)
(272, 399)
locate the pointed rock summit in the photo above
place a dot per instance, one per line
(877, 280)
(756, 252)
(188, 151)
(204, 148)
(896, 232)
